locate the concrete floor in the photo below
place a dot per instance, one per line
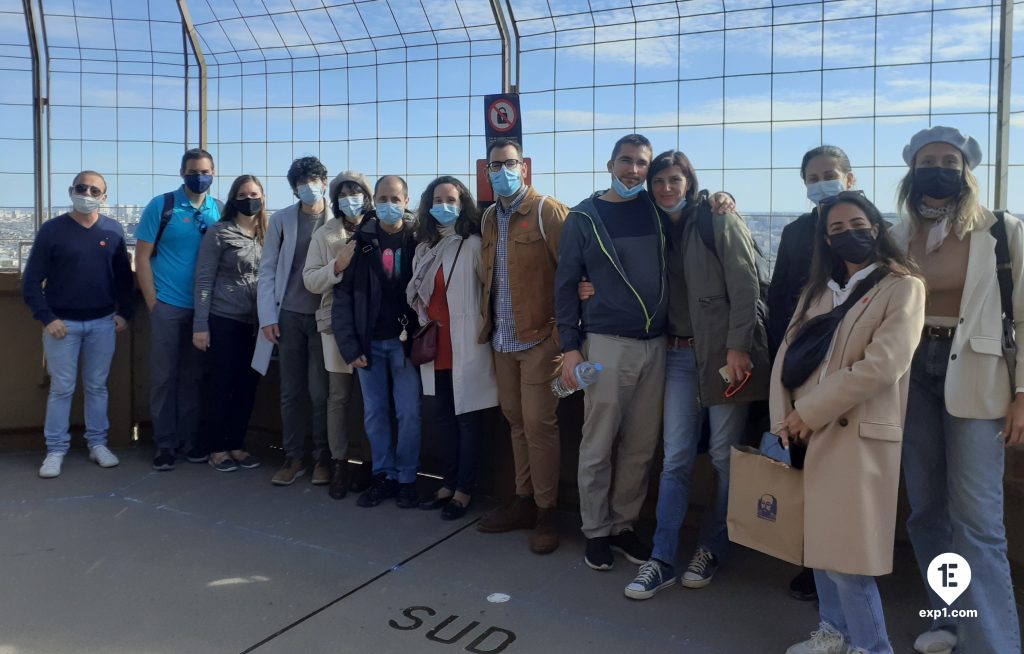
(129, 560)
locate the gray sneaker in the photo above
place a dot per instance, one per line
(826, 640)
(102, 455)
(51, 465)
(652, 577)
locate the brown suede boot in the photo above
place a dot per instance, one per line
(520, 514)
(544, 538)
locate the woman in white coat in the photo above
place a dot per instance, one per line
(445, 288)
(330, 252)
(963, 408)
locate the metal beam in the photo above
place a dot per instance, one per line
(38, 111)
(506, 45)
(193, 38)
(1003, 106)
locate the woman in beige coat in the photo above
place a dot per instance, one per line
(847, 403)
(330, 252)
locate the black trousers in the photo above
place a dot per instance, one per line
(233, 382)
(459, 435)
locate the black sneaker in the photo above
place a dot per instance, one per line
(628, 545)
(408, 498)
(227, 464)
(381, 489)
(164, 459)
(196, 455)
(802, 587)
(599, 553)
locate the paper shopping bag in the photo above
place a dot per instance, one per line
(766, 505)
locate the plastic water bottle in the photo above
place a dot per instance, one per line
(586, 374)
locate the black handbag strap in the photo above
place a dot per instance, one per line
(456, 260)
(1004, 265)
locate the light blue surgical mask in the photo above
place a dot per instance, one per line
(824, 189)
(351, 205)
(445, 214)
(679, 205)
(389, 213)
(624, 191)
(310, 194)
(505, 182)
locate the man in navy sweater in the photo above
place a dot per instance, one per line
(87, 298)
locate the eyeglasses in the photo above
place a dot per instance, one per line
(82, 189)
(200, 221)
(511, 164)
(841, 197)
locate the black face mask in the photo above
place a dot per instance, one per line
(938, 183)
(853, 245)
(249, 206)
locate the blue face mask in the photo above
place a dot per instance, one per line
(351, 205)
(445, 214)
(390, 214)
(679, 205)
(824, 189)
(623, 190)
(505, 182)
(310, 194)
(198, 183)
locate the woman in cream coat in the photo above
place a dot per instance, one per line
(445, 287)
(329, 255)
(963, 410)
(849, 411)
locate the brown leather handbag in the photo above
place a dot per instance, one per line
(424, 341)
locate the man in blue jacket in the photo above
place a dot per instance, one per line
(615, 239)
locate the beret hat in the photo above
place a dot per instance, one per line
(940, 134)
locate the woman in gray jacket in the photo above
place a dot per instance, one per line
(330, 252)
(225, 324)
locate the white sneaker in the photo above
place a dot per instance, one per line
(51, 465)
(939, 641)
(102, 455)
(825, 640)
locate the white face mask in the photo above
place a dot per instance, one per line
(85, 204)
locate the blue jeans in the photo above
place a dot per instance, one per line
(953, 468)
(681, 438)
(388, 364)
(93, 342)
(851, 604)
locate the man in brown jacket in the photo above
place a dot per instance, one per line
(519, 252)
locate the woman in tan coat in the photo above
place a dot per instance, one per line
(846, 399)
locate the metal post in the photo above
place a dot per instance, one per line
(38, 110)
(1003, 106)
(506, 46)
(193, 38)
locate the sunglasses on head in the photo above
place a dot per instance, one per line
(82, 189)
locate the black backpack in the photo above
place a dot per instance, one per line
(165, 217)
(706, 231)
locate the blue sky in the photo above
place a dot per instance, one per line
(397, 85)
